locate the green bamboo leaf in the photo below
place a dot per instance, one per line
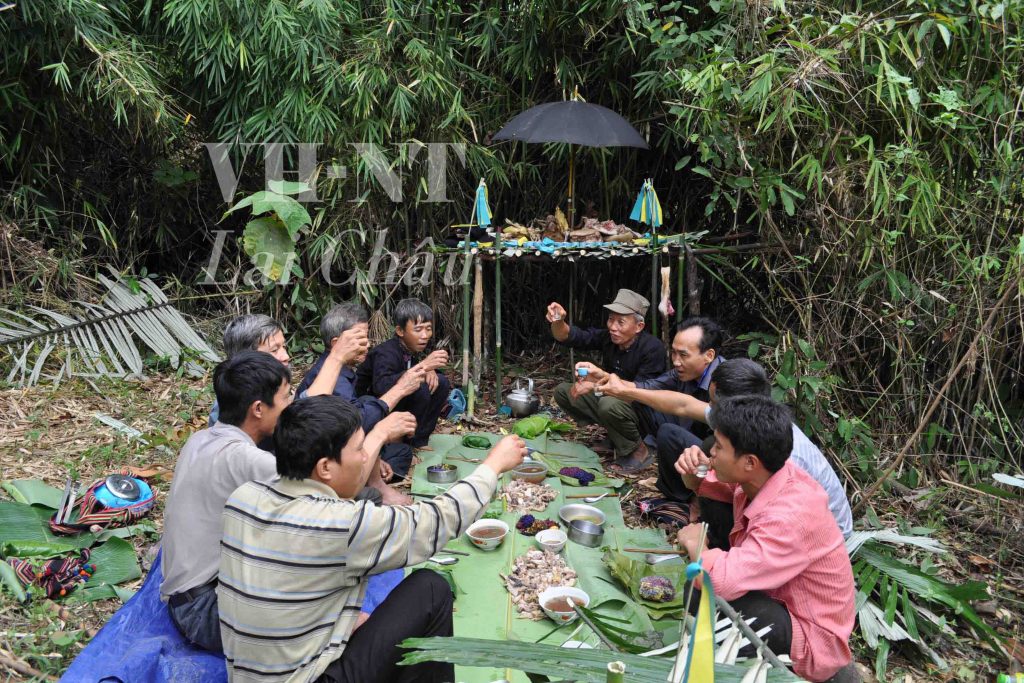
(9, 579)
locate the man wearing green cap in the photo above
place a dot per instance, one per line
(627, 351)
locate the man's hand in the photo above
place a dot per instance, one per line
(506, 454)
(435, 360)
(555, 313)
(594, 373)
(689, 460)
(688, 538)
(386, 472)
(613, 386)
(351, 345)
(396, 426)
(411, 380)
(432, 380)
(581, 389)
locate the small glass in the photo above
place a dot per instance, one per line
(702, 471)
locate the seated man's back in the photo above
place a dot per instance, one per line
(252, 389)
(297, 552)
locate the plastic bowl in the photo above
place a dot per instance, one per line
(552, 539)
(588, 513)
(564, 592)
(533, 472)
(487, 542)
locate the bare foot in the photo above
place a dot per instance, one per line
(393, 497)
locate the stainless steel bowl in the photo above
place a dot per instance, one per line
(585, 533)
(446, 476)
(587, 513)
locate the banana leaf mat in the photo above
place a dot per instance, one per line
(484, 609)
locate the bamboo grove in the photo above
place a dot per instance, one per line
(878, 143)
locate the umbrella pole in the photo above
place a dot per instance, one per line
(572, 165)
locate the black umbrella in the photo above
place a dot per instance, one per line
(575, 123)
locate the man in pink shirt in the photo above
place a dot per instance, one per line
(787, 564)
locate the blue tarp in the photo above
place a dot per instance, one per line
(141, 645)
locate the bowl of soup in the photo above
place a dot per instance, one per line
(487, 534)
(532, 471)
(557, 602)
(586, 513)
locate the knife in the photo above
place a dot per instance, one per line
(61, 509)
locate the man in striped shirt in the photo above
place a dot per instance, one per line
(787, 565)
(297, 551)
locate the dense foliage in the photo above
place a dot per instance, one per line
(879, 142)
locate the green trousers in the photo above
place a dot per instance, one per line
(615, 415)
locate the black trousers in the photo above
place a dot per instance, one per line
(399, 456)
(768, 612)
(673, 439)
(426, 407)
(779, 640)
(419, 607)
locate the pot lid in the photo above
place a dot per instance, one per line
(123, 487)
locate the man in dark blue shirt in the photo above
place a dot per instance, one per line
(695, 353)
(627, 351)
(387, 362)
(337, 321)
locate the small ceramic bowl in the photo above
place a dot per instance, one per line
(587, 513)
(485, 533)
(533, 472)
(557, 613)
(552, 539)
(585, 533)
(442, 474)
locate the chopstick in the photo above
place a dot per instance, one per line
(459, 457)
(452, 552)
(654, 551)
(588, 495)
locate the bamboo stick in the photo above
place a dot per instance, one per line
(679, 286)
(478, 315)
(654, 279)
(692, 295)
(497, 323)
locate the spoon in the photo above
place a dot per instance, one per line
(655, 559)
(443, 561)
(594, 499)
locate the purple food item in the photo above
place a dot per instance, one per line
(529, 525)
(581, 475)
(657, 589)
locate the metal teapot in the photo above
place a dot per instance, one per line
(522, 401)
